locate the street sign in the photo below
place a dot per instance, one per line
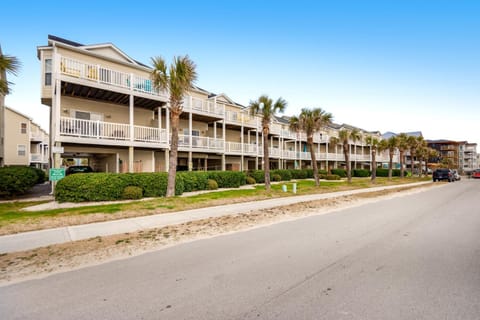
(56, 174)
(57, 149)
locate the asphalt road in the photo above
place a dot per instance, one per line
(412, 257)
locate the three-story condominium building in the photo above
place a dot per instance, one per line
(106, 111)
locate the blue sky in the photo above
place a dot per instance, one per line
(379, 65)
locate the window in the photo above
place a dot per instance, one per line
(48, 72)
(21, 150)
(23, 127)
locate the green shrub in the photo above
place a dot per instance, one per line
(361, 173)
(285, 175)
(332, 177)
(228, 179)
(276, 177)
(250, 180)
(194, 180)
(382, 172)
(16, 180)
(258, 175)
(110, 186)
(41, 175)
(132, 192)
(340, 172)
(212, 184)
(302, 174)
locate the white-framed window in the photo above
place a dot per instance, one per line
(23, 128)
(48, 72)
(21, 150)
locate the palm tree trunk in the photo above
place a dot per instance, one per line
(374, 166)
(402, 162)
(390, 164)
(347, 160)
(314, 161)
(266, 159)
(172, 169)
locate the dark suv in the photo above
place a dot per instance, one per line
(443, 174)
(78, 169)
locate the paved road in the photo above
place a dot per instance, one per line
(413, 257)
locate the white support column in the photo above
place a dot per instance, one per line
(117, 162)
(130, 159)
(167, 158)
(263, 148)
(167, 128)
(190, 161)
(190, 130)
(153, 161)
(243, 147)
(131, 119)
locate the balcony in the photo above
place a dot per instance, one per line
(204, 107)
(37, 136)
(96, 73)
(38, 158)
(198, 143)
(109, 131)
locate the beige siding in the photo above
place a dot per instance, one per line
(14, 138)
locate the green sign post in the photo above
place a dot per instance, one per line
(56, 174)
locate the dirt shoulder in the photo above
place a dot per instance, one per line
(19, 266)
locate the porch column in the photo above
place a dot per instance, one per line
(205, 164)
(130, 108)
(167, 126)
(159, 111)
(243, 147)
(223, 162)
(167, 164)
(130, 159)
(190, 160)
(263, 148)
(117, 163)
(256, 141)
(153, 161)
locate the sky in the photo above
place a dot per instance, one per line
(383, 66)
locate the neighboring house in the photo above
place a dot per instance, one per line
(105, 112)
(24, 142)
(470, 162)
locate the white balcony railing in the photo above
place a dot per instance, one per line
(110, 131)
(202, 106)
(38, 158)
(196, 142)
(101, 74)
(37, 136)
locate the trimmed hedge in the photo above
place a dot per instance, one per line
(381, 172)
(17, 180)
(212, 184)
(228, 179)
(110, 186)
(194, 180)
(339, 172)
(132, 192)
(361, 173)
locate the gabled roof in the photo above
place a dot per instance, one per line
(389, 134)
(93, 47)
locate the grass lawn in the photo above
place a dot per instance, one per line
(11, 213)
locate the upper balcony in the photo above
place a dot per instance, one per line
(98, 75)
(38, 136)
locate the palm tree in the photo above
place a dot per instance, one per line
(311, 121)
(414, 143)
(389, 144)
(345, 137)
(8, 64)
(373, 142)
(267, 109)
(402, 147)
(177, 79)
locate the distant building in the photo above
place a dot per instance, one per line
(459, 155)
(24, 143)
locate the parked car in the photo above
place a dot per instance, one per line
(443, 174)
(456, 176)
(476, 174)
(78, 169)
